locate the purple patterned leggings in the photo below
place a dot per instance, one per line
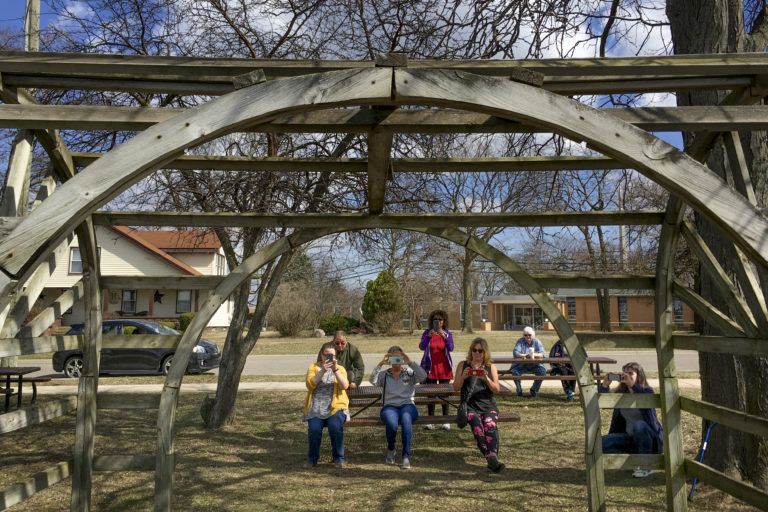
(485, 431)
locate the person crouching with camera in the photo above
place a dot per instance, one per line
(398, 407)
(632, 430)
(326, 406)
(478, 381)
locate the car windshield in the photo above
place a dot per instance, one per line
(164, 329)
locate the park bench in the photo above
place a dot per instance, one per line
(370, 396)
(370, 421)
(594, 363)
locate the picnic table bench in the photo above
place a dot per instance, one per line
(440, 393)
(20, 372)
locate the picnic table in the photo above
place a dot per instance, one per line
(20, 372)
(368, 396)
(594, 364)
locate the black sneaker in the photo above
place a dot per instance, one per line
(494, 464)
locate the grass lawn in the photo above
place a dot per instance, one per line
(255, 463)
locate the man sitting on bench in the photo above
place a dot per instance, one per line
(531, 348)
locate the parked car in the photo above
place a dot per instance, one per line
(205, 356)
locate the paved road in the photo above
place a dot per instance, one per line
(685, 360)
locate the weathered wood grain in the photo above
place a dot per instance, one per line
(631, 400)
(46, 226)
(722, 344)
(707, 311)
(39, 413)
(384, 220)
(39, 481)
(43, 320)
(729, 417)
(632, 461)
(617, 339)
(379, 154)
(740, 490)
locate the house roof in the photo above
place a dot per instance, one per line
(138, 238)
(192, 240)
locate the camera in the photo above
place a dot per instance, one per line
(395, 359)
(614, 376)
(475, 373)
(436, 325)
(329, 357)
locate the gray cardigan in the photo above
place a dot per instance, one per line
(399, 392)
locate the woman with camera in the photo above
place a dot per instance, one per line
(632, 430)
(437, 344)
(478, 381)
(399, 383)
(326, 406)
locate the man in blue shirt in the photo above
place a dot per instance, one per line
(528, 347)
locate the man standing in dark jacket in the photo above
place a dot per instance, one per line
(350, 358)
(569, 386)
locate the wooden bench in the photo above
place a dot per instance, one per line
(370, 421)
(360, 402)
(34, 381)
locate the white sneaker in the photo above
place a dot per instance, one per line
(446, 426)
(390, 457)
(406, 463)
(641, 473)
(429, 427)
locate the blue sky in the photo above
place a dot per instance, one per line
(13, 14)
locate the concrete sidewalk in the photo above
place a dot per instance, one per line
(276, 386)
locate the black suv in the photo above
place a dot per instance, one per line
(205, 356)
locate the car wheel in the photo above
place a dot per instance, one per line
(74, 367)
(167, 364)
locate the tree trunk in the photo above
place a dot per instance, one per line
(737, 382)
(220, 410)
(466, 290)
(604, 309)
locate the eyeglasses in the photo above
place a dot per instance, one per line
(478, 350)
(528, 335)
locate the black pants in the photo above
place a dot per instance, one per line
(431, 407)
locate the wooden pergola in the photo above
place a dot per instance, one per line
(368, 98)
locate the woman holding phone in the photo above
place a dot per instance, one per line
(632, 430)
(437, 344)
(398, 409)
(478, 380)
(326, 406)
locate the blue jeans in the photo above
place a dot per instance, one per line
(335, 426)
(520, 369)
(640, 441)
(404, 415)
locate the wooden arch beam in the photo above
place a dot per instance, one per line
(169, 396)
(35, 236)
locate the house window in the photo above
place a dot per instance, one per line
(483, 311)
(221, 266)
(571, 308)
(678, 309)
(129, 301)
(184, 301)
(623, 314)
(76, 260)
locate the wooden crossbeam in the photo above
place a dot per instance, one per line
(160, 282)
(720, 280)
(630, 400)
(360, 165)
(618, 339)
(622, 282)
(365, 221)
(722, 344)
(86, 117)
(729, 417)
(740, 490)
(706, 310)
(34, 484)
(379, 154)
(632, 461)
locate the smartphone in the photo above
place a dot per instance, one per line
(436, 325)
(614, 376)
(395, 359)
(329, 357)
(475, 373)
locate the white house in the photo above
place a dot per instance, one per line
(132, 252)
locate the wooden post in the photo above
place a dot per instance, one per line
(85, 429)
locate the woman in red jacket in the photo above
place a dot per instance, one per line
(437, 344)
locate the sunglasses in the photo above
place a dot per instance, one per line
(478, 350)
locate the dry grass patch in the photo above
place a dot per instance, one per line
(255, 464)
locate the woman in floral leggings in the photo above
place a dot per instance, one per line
(478, 380)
